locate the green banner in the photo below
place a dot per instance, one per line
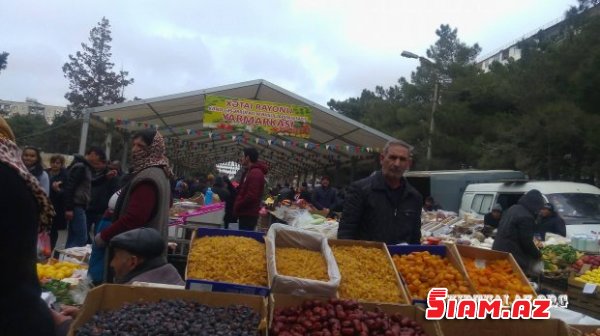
(257, 116)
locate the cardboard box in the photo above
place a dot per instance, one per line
(587, 303)
(432, 328)
(446, 251)
(489, 327)
(216, 286)
(112, 297)
(347, 242)
(281, 235)
(580, 329)
(484, 254)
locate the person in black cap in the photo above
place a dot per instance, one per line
(515, 232)
(137, 255)
(550, 221)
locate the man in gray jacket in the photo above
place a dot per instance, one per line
(77, 192)
(137, 255)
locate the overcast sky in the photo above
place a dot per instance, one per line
(320, 49)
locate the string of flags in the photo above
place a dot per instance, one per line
(213, 135)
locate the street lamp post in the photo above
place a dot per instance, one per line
(409, 54)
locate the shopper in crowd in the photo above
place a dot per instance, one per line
(550, 221)
(58, 175)
(285, 193)
(324, 196)
(77, 192)
(24, 211)
(303, 193)
(145, 197)
(137, 255)
(219, 188)
(384, 206)
(104, 184)
(229, 217)
(430, 205)
(32, 159)
(250, 192)
(491, 220)
(516, 229)
(181, 188)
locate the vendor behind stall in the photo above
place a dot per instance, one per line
(550, 221)
(137, 255)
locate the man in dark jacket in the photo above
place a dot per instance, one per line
(250, 192)
(515, 232)
(105, 183)
(324, 197)
(384, 207)
(550, 221)
(285, 193)
(137, 255)
(77, 194)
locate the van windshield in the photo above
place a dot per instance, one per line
(576, 204)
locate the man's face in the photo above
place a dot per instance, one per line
(545, 212)
(123, 262)
(325, 183)
(496, 214)
(93, 159)
(395, 162)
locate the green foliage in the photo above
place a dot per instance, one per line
(92, 82)
(3, 60)
(538, 114)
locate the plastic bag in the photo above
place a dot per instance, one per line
(281, 235)
(44, 248)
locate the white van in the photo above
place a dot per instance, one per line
(577, 203)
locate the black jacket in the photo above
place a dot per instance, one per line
(369, 212)
(489, 219)
(77, 189)
(515, 232)
(58, 202)
(22, 311)
(324, 197)
(553, 224)
(102, 190)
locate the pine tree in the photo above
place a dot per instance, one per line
(3, 60)
(91, 79)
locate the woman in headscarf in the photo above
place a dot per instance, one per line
(145, 198)
(33, 161)
(24, 211)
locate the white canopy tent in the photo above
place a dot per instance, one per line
(335, 140)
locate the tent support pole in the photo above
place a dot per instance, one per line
(84, 131)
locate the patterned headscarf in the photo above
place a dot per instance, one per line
(10, 154)
(152, 156)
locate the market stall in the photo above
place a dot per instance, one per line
(359, 284)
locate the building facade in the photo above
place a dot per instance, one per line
(30, 106)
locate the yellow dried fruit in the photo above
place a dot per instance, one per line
(301, 263)
(367, 274)
(232, 259)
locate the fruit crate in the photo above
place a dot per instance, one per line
(111, 297)
(445, 251)
(431, 327)
(588, 304)
(217, 286)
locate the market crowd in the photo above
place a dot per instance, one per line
(124, 215)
